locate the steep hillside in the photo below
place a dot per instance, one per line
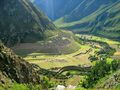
(103, 22)
(21, 24)
(20, 21)
(13, 67)
(62, 7)
(74, 10)
(85, 8)
(84, 16)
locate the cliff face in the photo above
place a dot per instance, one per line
(21, 22)
(15, 68)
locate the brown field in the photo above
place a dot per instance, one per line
(59, 44)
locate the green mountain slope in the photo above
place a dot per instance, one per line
(20, 21)
(62, 7)
(84, 16)
(74, 10)
(22, 24)
(103, 22)
(85, 8)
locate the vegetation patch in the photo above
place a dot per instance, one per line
(62, 42)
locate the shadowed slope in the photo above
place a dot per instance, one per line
(16, 68)
(21, 22)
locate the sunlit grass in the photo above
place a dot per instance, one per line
(51, 61)
(96, 38)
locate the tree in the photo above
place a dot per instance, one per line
(98, 71)
(114, 65)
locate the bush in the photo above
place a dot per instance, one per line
(100, 70)
(93, 58)
(115, 65)
(46, 83)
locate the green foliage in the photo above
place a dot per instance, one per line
(100, 70)
(46, 83)
(104, 21)
(34, 87)
(107, 50)
(93, 58)
(117, 87)
(16, 86)
(115, 65)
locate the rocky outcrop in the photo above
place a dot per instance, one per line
(16, 68)
(4, 79)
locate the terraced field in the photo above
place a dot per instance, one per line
(111, 43)
(78, 54)
(79, 57)
(58, 61)
(52, 61)
(62, 42)
(73, 55)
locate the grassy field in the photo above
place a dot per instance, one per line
(101, 22)
(73, 54)
(60, 43)
(79, 57)
(91, 37)
(52, 61)
(113, 44)
(58, 51)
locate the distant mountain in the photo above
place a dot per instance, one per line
(85, 8)
(86, 16)
(21, 22)
(105, 21)
(74, 9)
(62, 7)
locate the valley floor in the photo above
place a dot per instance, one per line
(80, 57)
